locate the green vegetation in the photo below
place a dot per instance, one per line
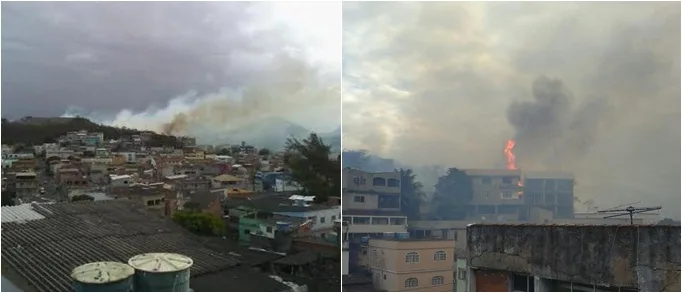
(200, 223)
(46, 130)
(311, 166)
(412, 193)
(264, 152)
(452, 192)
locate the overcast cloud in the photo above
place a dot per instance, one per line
(431, 83)
(106, 57)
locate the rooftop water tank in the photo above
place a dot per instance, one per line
(103, 277)
(161, 272)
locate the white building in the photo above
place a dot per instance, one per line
(121, 180)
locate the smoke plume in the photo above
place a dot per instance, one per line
(589, 88)
(276, 66)
(550, 131)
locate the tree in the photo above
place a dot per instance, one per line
(412, 193)
(452, 192)
(264, 152)
(312, 167)
(200, 223)
(223, 152)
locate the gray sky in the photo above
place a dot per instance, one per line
(430, 83)
(106, 57)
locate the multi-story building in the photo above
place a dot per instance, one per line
(552, 191)
(25, 184)
(511, 194)
(410, 264)
(72, 175)
(371, 203)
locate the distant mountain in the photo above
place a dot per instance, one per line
(272, 133)
(333, 138)
(37, 130)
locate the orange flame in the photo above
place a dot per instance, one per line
(511, 162)
(511, 159)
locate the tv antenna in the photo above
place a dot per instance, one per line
(630, 210)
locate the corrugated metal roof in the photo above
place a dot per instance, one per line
(44, 251)
(20, 213)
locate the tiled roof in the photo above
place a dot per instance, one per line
(45, 250)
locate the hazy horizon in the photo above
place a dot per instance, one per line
(590, 88)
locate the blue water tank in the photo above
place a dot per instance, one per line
(103, 277)
(161, 272)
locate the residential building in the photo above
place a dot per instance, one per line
(206, 201)
(26, 184)
(228, 181)
(72, 175)
(410, 264)
(509, 195)
(552, 191)
(277, 210)
(371, 203)
(116, 181)
(564, 258)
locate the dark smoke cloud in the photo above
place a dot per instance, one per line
(606, 107)
(549, 129)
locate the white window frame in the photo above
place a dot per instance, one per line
(440, 255)
(412, 257)
(437, 280)
(411, 283)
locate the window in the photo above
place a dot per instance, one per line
(440, 255)
(411, 257)
(461, 274)
(411, 283)
(379, 181)
(322, 220)
(359, 199)
(323, 235)
(333, 218)
(397, 221)
(506, 195)
(565, 185)
(379, 221)
(359, 180)
(361, 220)
(268, 229)
(437, 280)
(393, 182)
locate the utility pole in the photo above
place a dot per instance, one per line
(630, 210)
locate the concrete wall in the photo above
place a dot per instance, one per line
(643, 257)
